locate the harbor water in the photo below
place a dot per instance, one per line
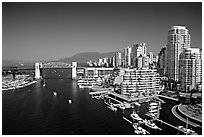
(35, 110)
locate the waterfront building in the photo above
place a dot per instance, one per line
(118, 59)
(127, 57)
(140, 81)
(190, 66)
(162, 61)
(178, 40)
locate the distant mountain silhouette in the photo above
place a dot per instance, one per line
(87, 56)
(80, 58)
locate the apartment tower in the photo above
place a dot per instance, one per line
(178, 40)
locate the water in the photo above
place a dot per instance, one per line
(34, 110)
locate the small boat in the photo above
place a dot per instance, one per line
(137, 104)
(55, 93)
(153, 110)
(151, 115)
(142, 130)
(150, 124)
(153, 107)
(187, 131)
(135, 116)
(127, 105)
(70, 101)
(112, 108)
(153, 104)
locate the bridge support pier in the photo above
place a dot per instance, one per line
(74, 70)
(38, 66)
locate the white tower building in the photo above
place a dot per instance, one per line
(178, 40)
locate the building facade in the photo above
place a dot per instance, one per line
(162, 61)
(140, 81)
(190, 74)
(127, 57)
(118, 59)
(138, 50)
(178, 40)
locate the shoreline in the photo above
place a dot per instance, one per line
(20, 86)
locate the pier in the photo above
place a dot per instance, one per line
(170, 98)
(115, 100)
(166, 123)
(98, 92)
(127, 120)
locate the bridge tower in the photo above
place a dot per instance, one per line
(38, 66)
(74, 70)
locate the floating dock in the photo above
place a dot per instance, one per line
(98, 92)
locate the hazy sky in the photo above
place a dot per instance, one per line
(36, 31)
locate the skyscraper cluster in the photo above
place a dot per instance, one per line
(179, 62)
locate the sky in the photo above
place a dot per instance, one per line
(46, 31)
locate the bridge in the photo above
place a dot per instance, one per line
(76, 71)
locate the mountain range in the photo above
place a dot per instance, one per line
(80, 58)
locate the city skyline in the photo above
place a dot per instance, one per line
(36, 31)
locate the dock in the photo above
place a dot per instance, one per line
(115, 100)
(98, 92)
(127, 120)
(167, 124)
(166, 97)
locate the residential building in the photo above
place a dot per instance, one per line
(178, 40)
(162, 61)
(138, 50)
(118, 59)
(190, 67)
(140, 81)
(127, 57)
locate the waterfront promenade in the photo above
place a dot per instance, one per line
(182, 113)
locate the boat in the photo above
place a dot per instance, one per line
(127, 105)
(150, 124)
(135, 116)
(187, 131)
(70, 101)
(55, 93)
(112, 108)
(140, 130)
(151, 115)
(153, 104)
(153, 107)
(153, 110)
(137, 104)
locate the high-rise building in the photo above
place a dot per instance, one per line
(138, 50)
(162, 61)
(113, 61)
(142, 62)
(150, 57)
(178, 40)
(118, 59)
(127, 56)
(190, 67)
